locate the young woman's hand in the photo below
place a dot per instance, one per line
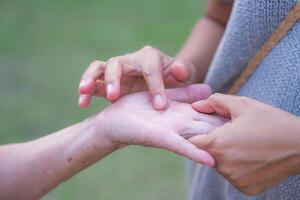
(147, 68)
(258, 148)
(132, 120)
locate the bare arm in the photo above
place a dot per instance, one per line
(30, 170)
(201, 45)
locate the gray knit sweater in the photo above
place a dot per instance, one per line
(276, 82)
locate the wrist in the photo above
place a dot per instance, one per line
(102, 129)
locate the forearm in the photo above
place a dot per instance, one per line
(204, 39)
(30, 170)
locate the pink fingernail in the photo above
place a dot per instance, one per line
(210, 161)
(159, 102)
(197, 103)
(109, 88)
(81, 99)
(83, 82)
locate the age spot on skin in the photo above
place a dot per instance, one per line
(69, 159)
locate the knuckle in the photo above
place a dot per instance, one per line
(114, 59)
(150, 71)
(147, 48)
(244, 100)
(93, 69)
(214, 98)
(96, 62)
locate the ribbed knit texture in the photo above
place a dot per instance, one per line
(276, 81)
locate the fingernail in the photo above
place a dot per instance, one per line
(159, 101)
(80, 99)
(198, 103)
(210, 161)
(82, 83)
(109, 88)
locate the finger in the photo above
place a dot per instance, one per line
(197, 128)
(112, 78)
(225, 105)
(213, 140)
(182, 71)
(153, 76)
(181, 146)
(92, 73)
(212, 119)
(100, 89)
(201, 141)
(84, 100)
(190, 93)
(205, 106)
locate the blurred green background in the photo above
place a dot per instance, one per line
(44, 48)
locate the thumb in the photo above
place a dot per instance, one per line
(202, 141)
(182, 71)
(181, 146)
(190, 93)
(212, 141)
(224, 105)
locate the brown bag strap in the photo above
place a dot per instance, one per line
(278, 34)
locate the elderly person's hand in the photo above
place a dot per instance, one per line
(31, 169)
(147, 68)
(132, 120)
(258, 148)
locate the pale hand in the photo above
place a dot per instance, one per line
(132, 120)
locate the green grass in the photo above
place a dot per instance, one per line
(44, 48)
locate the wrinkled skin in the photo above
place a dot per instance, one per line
(132, 120)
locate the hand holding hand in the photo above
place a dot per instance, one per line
(147, 68)
(258, 148)
(132, 120)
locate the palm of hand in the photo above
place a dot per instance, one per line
(132, 120)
